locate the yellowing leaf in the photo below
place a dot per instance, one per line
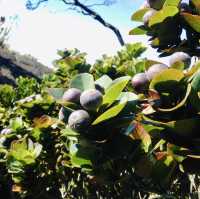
(192, 20)
(161, 15)
(138, 15)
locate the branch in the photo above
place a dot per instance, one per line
(97, 17)
(31, 6)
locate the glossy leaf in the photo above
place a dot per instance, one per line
(104, 81)
(165, 76)
(161, 15)
(138, 15)
(83, 81)
(56, 93)
(114, 90)
(172, 3)
(140, 30)
(192, 20)
(110, 113)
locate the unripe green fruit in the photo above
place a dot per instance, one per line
(140, 82)
(154, 70)
(79, 120)
(91, 99)
(147, 16)
(180, 57)
(72, 95)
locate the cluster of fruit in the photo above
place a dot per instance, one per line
(140, 81)
(90, 100)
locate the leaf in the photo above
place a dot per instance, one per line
(172, 3)
(161, 15)
(138, 15)
(68, 132)
(192, 20)
(196, 4)
(81, 157)
(16, 123)
(110, 113)
(83, 81)
(44, 121)
(104, 81)
(166, 75)
(163, 170)
(56, 93)
(139, 133)
(128, 97)
(115, 89)
(180, 104)
(140, 30)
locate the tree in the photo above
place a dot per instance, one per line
(85, 9)
(159, 18)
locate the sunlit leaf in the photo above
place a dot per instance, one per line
(164, 13)
(83, 81)
(114, 90)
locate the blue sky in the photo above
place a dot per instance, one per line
(43, 31)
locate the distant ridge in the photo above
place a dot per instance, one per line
(13, 65)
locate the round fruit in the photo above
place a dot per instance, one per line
(145, 5)
(79, 120)
(91, 99)
(148, 15)
(184, 7)
(179, 57)
(154, 70)
(72, 95)
(140, 82)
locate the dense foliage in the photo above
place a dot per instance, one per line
(125, 127)
(172, 25)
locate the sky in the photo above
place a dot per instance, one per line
(53, 27)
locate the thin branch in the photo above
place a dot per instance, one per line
(97, 17)
(85, 10)
(31, 6)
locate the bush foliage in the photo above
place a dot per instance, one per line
(139, 140)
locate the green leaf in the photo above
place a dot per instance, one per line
(138, 15)
(16, 123)
(110, 113)
(127, 97)
(170, 74)
(164, 13)
(140, 30)
(192, 20)
(194, 98)
(69, 132)
(83, 81)
(180, 104)
(81, 157)
(104, 81)
(172, 3)
(139, 133)
(115, 89)
(56, 93)
(196, 4)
